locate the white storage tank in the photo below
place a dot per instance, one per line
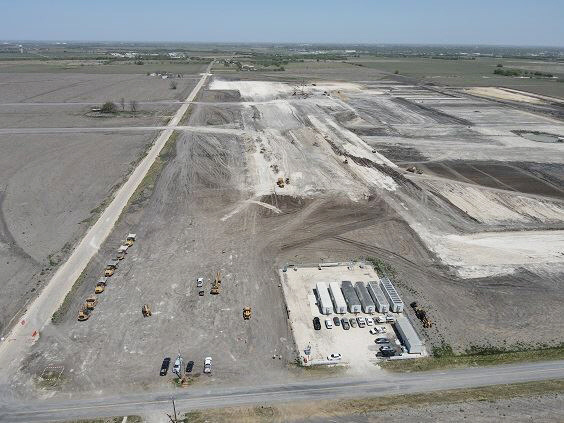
(337, 296)
(323, 298)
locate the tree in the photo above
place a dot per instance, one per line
(122, 104)
(133, 106)
(396, 72)
(172, 85)
(108, 107)
(499, 65)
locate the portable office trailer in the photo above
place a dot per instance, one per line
(366, 302)
(408, 336)
(323, 298)
(378, 297)
(396, 304)
(337, 297)
(351, 298)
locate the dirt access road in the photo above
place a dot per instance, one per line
(40, 311)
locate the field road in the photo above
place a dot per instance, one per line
(70, 130)
(39, 313)
(197, 398)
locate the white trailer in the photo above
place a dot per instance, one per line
(377, 295)
(337, 297)
(323, 298)
(396, 304)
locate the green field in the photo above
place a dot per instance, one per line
(470, 73)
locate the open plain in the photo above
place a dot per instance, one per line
(473, 232)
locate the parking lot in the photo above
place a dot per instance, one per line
(357, 346)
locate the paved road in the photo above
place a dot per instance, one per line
(39, 313)
(196, 398)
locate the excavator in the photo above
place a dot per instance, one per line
(421, 315)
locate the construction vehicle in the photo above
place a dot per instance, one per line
(421, 315)
(280, 182)
(111, 268)
(91, 302)
(100, 285)
(130, 240)
(216, 284)
(83, 314)
(146, 310)
(121, 252)
(247, 313)
(414, 169)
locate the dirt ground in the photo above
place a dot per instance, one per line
(216, 207)
(51, 185)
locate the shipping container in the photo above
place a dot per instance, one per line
(408, 336)
(366, 302)
(378, 297)
(396, 304)
(323, 298)
(353, 303)
(337, 296)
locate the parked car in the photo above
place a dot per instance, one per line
(387, 351)
(390, 318)
(382, 329)
(165, 366)
(328, 324)
(207, 365)
(200, 282)
(361, 322)
(369, 321)
(345, 323)
(374, 331)
(380, 319)
(189, 366)
(382, 341)
(177, 365)
(352, 321)
(334, 357)
(336, 321)
(316, 323)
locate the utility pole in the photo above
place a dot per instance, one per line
(175, 419)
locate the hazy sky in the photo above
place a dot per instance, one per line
(516, 22)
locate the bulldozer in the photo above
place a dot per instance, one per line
(83, 314)
(130, 240)
(247, 313)
(146, 310)
(216, 284)
(280, 182)
(110, 268)
(421, 315)
(91, 302)
(100, 285)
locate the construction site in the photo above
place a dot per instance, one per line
(265, 172)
